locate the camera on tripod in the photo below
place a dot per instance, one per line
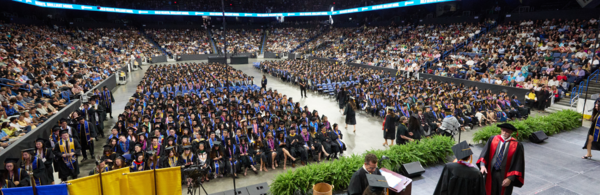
(196, 173)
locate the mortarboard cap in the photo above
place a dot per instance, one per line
(462, 150)
(11, 160)
(44, 141)
(138, 144)
(188, 147)
(377, 182)
(55, 128)
(507, 126)
(107, 147)
(217, 143)
(29, 150)
(63, 132)
(139, 154)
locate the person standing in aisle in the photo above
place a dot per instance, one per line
(303, 85)
(263, 82)
(350, 113)
(389, 127)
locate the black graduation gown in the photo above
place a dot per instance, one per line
(591, 131)
(39, 173)
(358, 182)
(22, 178)
(390, 126)
(268, 152)
(62, 169)
(350, 115)
(459, 179)
(101, 112)
(166, 160)
(401, 130)
(513, 169)
(49, 155)
(82, 137)
(108, 100)
(111, 157)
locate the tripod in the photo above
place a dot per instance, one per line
(192, 188)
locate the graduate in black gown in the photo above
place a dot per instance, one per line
(66, 151)
(12, 175)
(101, 167)
(34, 166)
(358, 182)
(461, 177)
(503, 161)
(593, 136)
(44, 152)
(171, 159)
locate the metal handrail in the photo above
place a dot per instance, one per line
(580, 90)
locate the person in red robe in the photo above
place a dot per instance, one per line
(502, 161)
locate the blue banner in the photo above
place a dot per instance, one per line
(228, 14)
(59, 189)
(18, 191)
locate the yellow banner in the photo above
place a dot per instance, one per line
(141, 182)
(114, 182)
(89, 185)
(168, 181)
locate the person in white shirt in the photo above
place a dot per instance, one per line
(553, 82)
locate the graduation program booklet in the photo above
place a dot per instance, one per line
(392, 180)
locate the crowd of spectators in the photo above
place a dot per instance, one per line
(354, 42)
(393, 46)
(44, 68)
(238, 40)
(375, 91)
(532, 55)
(328, 39)
(179, 41)
(286, 39)
(416, 45)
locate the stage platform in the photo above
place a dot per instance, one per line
(554, 167)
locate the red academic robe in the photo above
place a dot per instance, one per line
(514, 160)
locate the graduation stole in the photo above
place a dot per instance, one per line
(64, 150)
(173, 161)
(138, 164)
(405, 112)
(107, 99)
(283, 140)
(126, 146)
(54, 138)
(271, 144)
(12, 179)
(338, 139)
(210, 141)
(34, 166)
(191, 157)
(597, 133)
(152, 165)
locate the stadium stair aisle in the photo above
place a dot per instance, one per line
(212, 42)
(309, 40)
(152, 41)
